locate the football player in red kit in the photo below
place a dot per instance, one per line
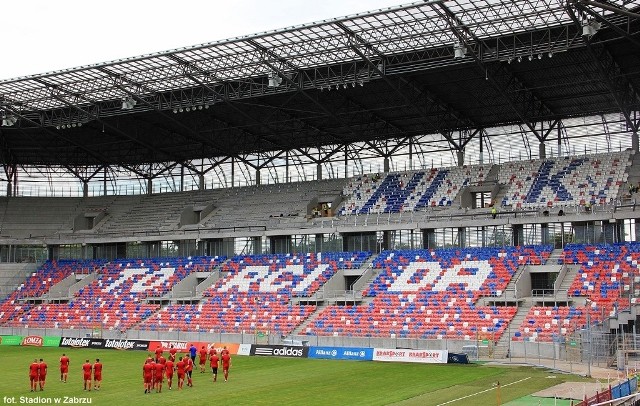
(86, 375)
(147, 375)
(180, 368)
(64, 367)
(97, 374)
(42, 373)
(202, 359)
(158, 376)
(34, 370)
(168, 371)
(213, 362)
(188, 369)
(226, 364)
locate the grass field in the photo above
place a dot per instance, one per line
(272, 381)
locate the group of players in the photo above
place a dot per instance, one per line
(38, 373)
(155, 370)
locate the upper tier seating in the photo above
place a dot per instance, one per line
(256, 294)
(432, 294)
(115, 300)
(409, 191)
(593, 179)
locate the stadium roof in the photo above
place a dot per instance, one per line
(432, 67)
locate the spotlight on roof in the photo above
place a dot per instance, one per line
(274, 80)
(550, 54)
(519, 59)
(128, 103)
(589, 28)
(8, 121)
(539, 56)
(531, 57)
(459, 51)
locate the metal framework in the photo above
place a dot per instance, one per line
(451, 68)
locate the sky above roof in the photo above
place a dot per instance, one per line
(41, 36)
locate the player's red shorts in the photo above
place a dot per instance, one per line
(158, 378)
(180, 375)
(33, 377)
(64, 370)
(87, 377)
(203, 361)
(148, 378)
(43, 377)
(169, 374)
(97, 377)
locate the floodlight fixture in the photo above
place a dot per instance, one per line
(590, 28)
(128, 103)
(8, 121)
(459, 51)
(274, 80)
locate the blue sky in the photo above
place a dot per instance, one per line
(40, 36)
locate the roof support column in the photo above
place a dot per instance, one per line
(385, 164)
(12, 178)
(149, 186)
(559, 140)
(542, 150)
(257, 176)
(201, 185)
(460, 157)
(85, 188)
(634, 141)
(319, 171)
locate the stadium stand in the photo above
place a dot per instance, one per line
(606, 272)
(408, 191)
(39, 283)
(257, 293)
(432, 294)
(570, 181)
(116, 298)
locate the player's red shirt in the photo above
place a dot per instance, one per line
(226, 360)
(212, 351)
(214, 360)
(148, 368)
(64, 363)
(159, 370)
(188, 364)
(173, 352)
(97, 371)
(203, 356)
(33, 369)
(147, 372)
(168, 368)
(159, 352)
(161, 360)
(180, 366)
(42, 370)
(86, 369)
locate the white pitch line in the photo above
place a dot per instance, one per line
(486, 390)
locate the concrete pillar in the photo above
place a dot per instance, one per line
(201, 185)
(460, 157)
(258, 181)
(386, 164)
(85, 188)
(149, 186)
(542, 150)
(9, 188)
(634, 141)
(319, 171)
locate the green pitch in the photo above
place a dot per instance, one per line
(270, 381)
